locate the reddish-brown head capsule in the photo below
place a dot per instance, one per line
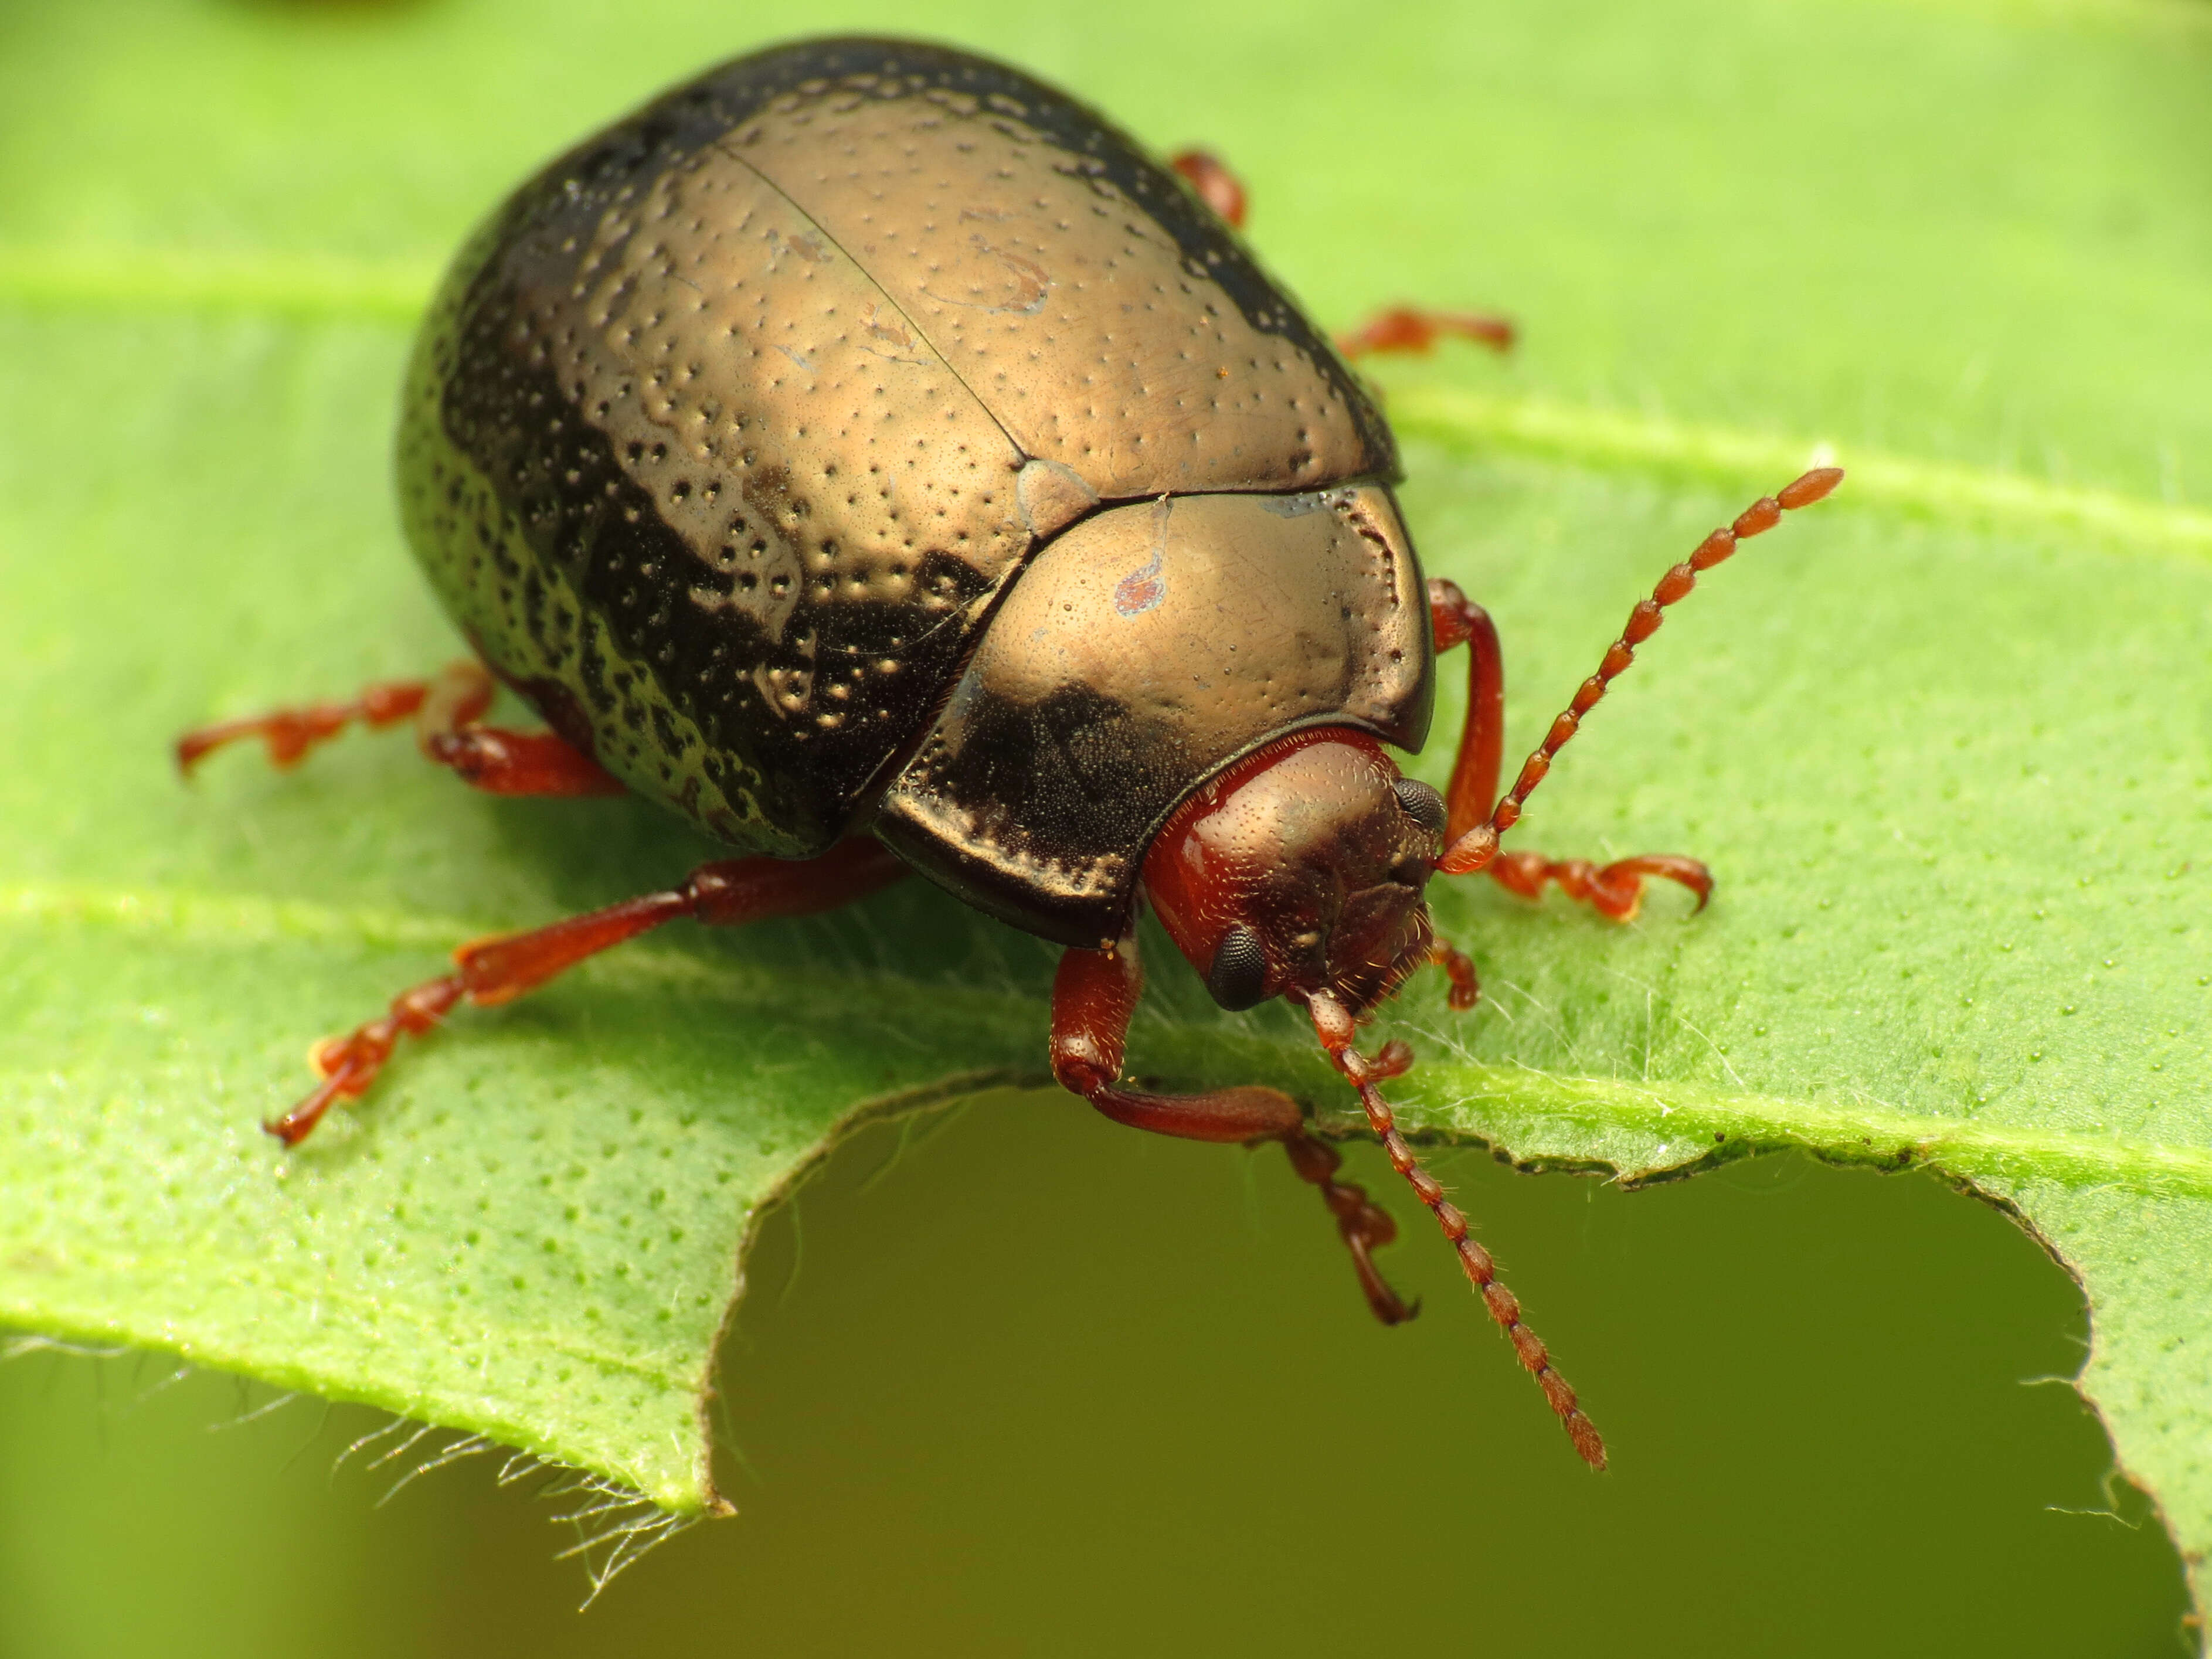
(1300, 869)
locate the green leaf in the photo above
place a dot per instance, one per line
(1945, 739)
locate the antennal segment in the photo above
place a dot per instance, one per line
(1333, 1024)
(1474, 851)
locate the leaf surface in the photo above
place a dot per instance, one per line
(1945, 741)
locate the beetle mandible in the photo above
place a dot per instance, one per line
(871, 454)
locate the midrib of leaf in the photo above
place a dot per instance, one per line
(1692, 1123)
(1463, 420)
(394, 291)
(1696, 1118)
(195, 279)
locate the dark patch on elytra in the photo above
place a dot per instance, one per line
(562, 488)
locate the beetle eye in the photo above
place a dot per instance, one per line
(1422, 804)
(1238, 978)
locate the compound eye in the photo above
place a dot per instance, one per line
(1238, 978)
(1422, 804)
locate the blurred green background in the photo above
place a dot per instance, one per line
(1017, 1382)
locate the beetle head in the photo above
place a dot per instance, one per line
(1300, 869)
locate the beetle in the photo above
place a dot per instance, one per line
(873, 455)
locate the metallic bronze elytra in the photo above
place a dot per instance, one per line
(871, 454)
(734, 423)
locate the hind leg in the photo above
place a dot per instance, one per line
(1217, 186)
(446, 712)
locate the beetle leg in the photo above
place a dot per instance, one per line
(1409, 328)
(446, 711)
(1333, 1024)
(1471, 840)
(1395, 328)
(1093, 996)
(1217, 186)
(1466, 989)
(1454, 619)
(491, 758)
(1615, 890)
(495, 970)
(291, 732)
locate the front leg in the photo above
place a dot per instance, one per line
(1093, 996)
(1614, 890)
(1476, 848)
(1456, 620)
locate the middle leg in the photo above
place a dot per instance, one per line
(1394, 328)
(1414, 330)
(491, 972)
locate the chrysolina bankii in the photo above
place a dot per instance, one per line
(873, 455)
